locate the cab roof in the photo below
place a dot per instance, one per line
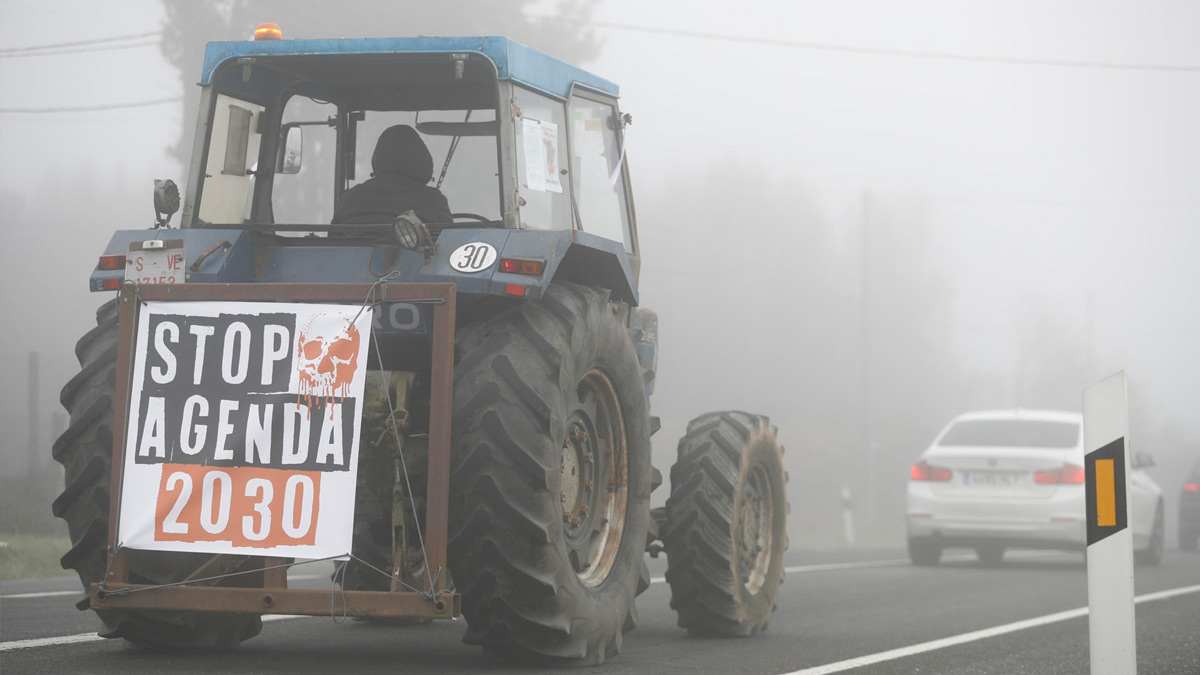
(512, 60)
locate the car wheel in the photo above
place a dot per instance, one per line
(1153, 553)
(990, 554)
(924, 552)
(1188, 540)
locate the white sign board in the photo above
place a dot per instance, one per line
(243, 428)
(540, 140)
(1109, 538)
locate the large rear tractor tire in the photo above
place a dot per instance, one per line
(85, 451)
(726, 527)
(550, 478)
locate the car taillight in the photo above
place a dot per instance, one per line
(1191, 487)
(1067, 474)
(923, 471)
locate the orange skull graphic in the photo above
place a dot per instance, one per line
(327, 357)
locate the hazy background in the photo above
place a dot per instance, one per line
(860, 218)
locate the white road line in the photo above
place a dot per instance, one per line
(826, 567)
(93, 637)
(48, 594)
(48, 642)
(893, 562)
(932, 645)
(267, 618)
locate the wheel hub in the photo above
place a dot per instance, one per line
(754, 530)
(578, 467)
(594, 484)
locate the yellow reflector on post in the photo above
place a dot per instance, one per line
(1106, 493)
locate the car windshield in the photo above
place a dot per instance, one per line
(1012, 433)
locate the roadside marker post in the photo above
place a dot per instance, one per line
(1109, 538)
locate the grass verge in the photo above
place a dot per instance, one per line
(30, 556)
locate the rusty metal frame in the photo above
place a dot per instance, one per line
(274, 597)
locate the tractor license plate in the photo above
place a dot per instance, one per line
(158, 261)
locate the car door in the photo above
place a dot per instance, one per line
(1144, 495)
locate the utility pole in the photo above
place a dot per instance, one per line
(32, 464)
(865, 361)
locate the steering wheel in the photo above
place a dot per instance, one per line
(471, 216)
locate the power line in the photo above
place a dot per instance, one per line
(111, 106)
(81, 43)
(84, 50)
(879, 51)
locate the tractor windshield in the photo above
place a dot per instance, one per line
(292, 141)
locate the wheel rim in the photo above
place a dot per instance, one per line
(595, 479)
(756, 509)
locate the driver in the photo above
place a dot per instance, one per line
(401, 170)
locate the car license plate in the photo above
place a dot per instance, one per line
(992, 478)
(158, 261)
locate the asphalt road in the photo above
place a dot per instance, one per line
(870, 608)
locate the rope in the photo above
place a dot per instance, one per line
(396, 432)
(339, 583)
(128, 591)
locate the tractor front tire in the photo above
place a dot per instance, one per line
(550, 478)
(85, 451)
(726, 529)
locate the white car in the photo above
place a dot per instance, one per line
(1004, 479)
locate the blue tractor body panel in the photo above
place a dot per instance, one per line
(256, 257)
(256, 254)
(513, 60)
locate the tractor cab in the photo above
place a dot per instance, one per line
(519, 140)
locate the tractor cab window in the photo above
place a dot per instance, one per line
(463, 146)
(541, 162)
(291, 135)
(597, 170)
(307, 195)
(232, 156)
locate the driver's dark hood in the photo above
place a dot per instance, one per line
(400, 150)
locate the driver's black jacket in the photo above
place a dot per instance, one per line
(402, 168)
(382, 198)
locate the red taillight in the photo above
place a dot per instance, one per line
(923, 471)
(514, 289)
(533, 268)
(1191, 487)
(112, 262)
(1067, 474)
(110, 284)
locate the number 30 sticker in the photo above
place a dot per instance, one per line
(474, 257)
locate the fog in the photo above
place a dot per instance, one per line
(858, 218)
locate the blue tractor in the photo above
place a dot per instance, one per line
(541, 539)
